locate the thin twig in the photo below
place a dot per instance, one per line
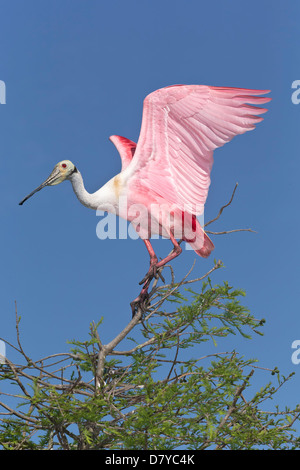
(222, 208)
(18, 335)
(231, 231)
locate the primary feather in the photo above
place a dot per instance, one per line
(181, 127)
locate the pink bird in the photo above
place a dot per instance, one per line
(165, 177)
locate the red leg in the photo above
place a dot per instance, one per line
(154, 265)
(153, 257)
(153, 262)
(143, 296)
(152, 272)
(175, 252)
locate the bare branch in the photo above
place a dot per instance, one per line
(231, 231)
(222, 208)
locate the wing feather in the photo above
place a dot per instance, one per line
(181, 127)
(125, 147)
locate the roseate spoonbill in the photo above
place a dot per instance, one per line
(168, 171)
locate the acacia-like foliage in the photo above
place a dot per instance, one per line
(164, 391)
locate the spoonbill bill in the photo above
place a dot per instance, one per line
(165, 177)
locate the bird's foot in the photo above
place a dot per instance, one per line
(153, 272)
(141, 302)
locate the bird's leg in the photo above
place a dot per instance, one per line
(154, 264)
(152, 272)
(142, 298)
(174, 253)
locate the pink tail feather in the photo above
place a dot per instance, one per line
(206, 249)
(201, 243)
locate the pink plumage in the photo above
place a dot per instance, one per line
(125, 147)
(181, 127)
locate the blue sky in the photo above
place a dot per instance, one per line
(77, 72)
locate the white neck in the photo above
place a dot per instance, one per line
(83, 196)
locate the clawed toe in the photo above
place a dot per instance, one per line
(150, 275)
(141, 302)
(153, 272)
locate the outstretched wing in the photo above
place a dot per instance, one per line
(125, 147)
(181, 126)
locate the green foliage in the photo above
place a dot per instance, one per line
(165, 392)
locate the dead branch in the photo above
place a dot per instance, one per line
(222, 208)
(231, 231)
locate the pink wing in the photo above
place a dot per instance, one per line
(181, 127)
(125, 147)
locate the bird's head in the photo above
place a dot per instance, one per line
(61, 172)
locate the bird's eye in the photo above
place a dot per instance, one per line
(64, 165)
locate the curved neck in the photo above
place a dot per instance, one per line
(78, 187)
